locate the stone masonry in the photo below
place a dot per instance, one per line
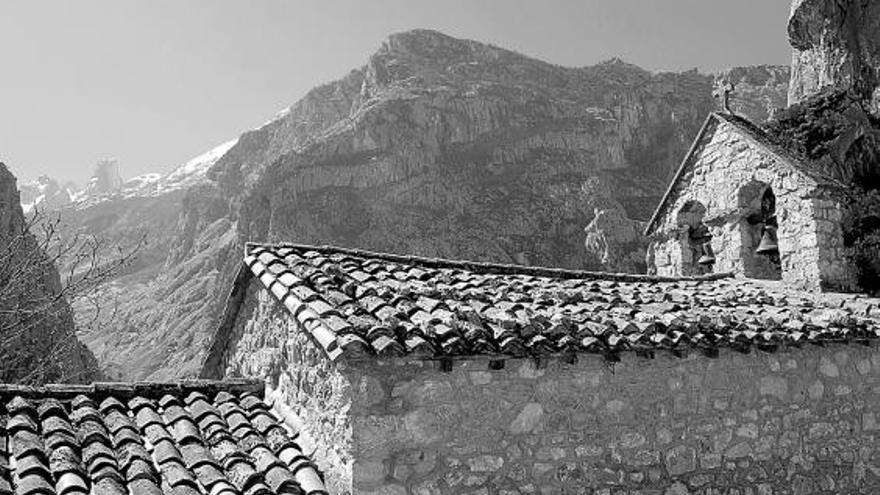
(729, 170)
(270, 346)
(797, 421)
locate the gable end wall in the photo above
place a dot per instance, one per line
(810, 242)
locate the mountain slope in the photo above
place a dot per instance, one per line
(37, 336)
(438, 147)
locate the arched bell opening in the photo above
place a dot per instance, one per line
(697, 255)
(759, 227)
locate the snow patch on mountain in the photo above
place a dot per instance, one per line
(194, 170)
(152, 184)
(44, 191)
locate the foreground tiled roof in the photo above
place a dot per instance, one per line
(188, 438)
(358, 304)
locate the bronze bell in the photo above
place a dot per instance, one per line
(768, 244)
(708, 256)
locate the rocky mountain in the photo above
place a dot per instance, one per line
(105, 179)
(38, 343)
(836, 43)
(760, 90)
(436, 146)
(45, 192)
(156, 300)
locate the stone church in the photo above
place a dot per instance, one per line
(740, 203)
(778, 200)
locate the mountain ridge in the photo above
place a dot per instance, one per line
(37, 333)
(436, 147)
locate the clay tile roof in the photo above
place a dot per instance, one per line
(148, 438)
(364, 305)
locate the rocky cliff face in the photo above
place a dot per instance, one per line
(105, 178)
(44, 192)
(835, 43)
(437, 147)
(162, 300)
(453, 148)
(760, 90)
(37, 338)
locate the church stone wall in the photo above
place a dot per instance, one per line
(836, 271)
(267, 342)
(810, 241)
(794, 422)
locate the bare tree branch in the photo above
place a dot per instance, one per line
(36, 320)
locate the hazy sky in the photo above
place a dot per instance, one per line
(154, 83)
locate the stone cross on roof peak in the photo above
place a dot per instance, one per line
(723, 91)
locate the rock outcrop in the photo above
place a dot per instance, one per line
(835, 132)
(453, 148)
(835, 43)
(760, 90)
(436, 147)
(615, 242)
(105, 178)
(37, 335)
(44, 192)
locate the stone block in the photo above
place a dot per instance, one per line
(529, 370)
(541, 468)
(368, 472)
(748, 430)
(429, 487)
(422, 462)
(820, 429)
(528, 419)
(681, 459)
(631, 440)
(869, 421)
(816, 390)
(710, 460)
(481, 377)
(739, 450)
(615, 407)
(390, 489)
(485, 463)
(430, 392)
(773, 385)
(644, 458)
(550, 453)
(401, 472)
(369, 392)
(875, 358)
(590, 450)
(427, 425)
(828, 368)
(842, 389)
(677, 488)
(842, 358)
(376, 434)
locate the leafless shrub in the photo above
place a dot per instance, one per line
(37, 340)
